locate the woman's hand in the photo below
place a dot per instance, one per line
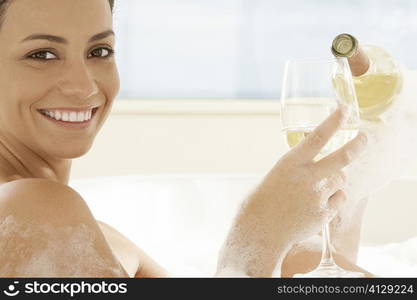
(292, 203)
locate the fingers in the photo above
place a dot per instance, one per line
(317, 139)
(335, 182)
(343, 156)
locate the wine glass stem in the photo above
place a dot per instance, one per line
(326, 256)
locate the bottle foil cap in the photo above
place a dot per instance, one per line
(346, 45)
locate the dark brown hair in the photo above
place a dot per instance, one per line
(5, 3)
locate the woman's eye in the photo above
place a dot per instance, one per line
(102, 52)
(43, 55)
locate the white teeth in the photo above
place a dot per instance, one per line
(69, 116)
(73, 116)
(65, 116)
(80, 116)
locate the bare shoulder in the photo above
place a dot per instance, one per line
(33, 187)
(55, 203)
(31, 197)
(50, 232)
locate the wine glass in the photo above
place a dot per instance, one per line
(312, 90)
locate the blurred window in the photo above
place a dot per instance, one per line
(238, 48)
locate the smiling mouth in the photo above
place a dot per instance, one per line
(70, 119)
(69, 116)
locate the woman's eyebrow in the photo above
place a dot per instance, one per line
(61, 40)
(101, 35)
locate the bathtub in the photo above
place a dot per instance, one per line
(181, 220)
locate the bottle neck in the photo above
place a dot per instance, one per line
(346, 45)
(359, 62)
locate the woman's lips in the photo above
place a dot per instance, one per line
(68, 124)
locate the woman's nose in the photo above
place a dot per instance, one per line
(78, 82)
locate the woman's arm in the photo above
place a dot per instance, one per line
(149, 268)
(134, 259)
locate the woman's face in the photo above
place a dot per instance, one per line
(56, 58)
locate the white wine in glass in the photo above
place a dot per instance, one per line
(311, 91)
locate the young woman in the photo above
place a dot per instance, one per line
(58, 80)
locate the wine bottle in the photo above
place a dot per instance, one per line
(376, 75)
